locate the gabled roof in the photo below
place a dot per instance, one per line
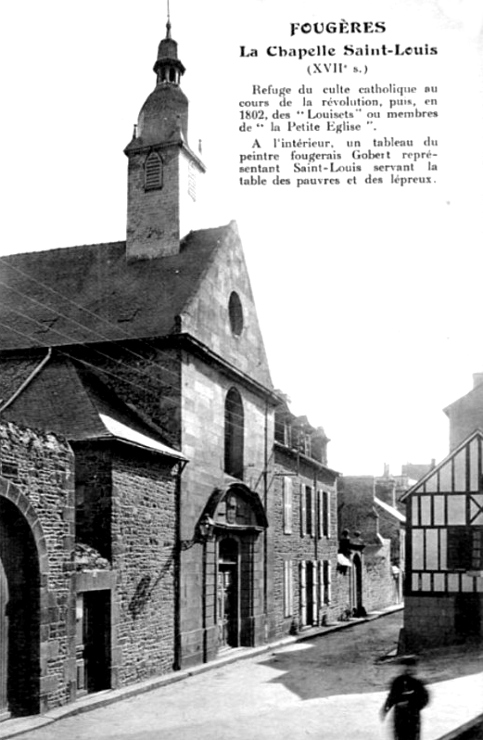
(91, 294)
(68, 400)
(468, 399)
(391, 510)
(477, 434)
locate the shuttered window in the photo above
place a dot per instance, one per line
(326, 513)
(315, 592)
(153, 172)
(320, 514)
(287, 588)
(287, 504)
(303, 593)
(327, 579)
(303, 509)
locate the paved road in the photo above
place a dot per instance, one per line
(330, 687)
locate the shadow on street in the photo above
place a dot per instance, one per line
(357, 660)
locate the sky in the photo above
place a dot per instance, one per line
(368, 297)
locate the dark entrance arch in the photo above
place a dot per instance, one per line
(358, 607)
(19, 614)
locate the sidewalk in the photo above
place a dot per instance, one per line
(454, 702)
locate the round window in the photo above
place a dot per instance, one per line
(235, 312)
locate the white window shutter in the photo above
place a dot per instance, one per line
(303, 515)
(303, 593)
(290, 587)
(287, 504)
(312, 511)
(320, 580)
(315, 593)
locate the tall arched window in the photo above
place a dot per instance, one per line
(234, 434)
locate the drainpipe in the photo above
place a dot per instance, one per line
(177, 573)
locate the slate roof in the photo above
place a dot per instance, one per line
(390, 510)
(66, 399)
(91, 293)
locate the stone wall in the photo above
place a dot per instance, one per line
(93, 483)
(153, 227)
(38, 501)
(448, 619)
(204, 393)
(379, 586)
(298, 547)
(144, 558)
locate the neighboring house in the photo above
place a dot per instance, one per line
(367, 506)
(145, 359)
(304, 516)
(466, 414)
(444, 584)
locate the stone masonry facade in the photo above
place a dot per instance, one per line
(37, 500)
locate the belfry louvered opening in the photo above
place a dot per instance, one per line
(153, 172)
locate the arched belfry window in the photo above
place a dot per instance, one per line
(234, 434)
(153, 172)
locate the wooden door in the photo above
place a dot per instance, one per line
(228, 596)
(93, 641)
(227, 604)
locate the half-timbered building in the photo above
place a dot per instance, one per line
(444, 583)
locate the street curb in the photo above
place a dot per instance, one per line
(19, 726)
(463, 728)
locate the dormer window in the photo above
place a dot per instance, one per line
(153, 172)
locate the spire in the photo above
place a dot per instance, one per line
(168, 67)
(168, 24)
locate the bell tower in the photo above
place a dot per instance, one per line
(163, 171)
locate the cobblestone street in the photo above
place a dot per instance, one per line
(323, 688)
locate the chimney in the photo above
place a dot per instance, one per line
(477, 379)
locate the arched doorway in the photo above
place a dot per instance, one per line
(228, 596)
(19, 614)
(358, 607)
(233, 568)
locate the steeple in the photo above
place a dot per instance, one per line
(165, 112)
(162, 169)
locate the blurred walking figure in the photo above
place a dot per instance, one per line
(408, 695)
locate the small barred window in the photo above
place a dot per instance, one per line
(153, 172)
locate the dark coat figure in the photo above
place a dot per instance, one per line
(408, 695)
